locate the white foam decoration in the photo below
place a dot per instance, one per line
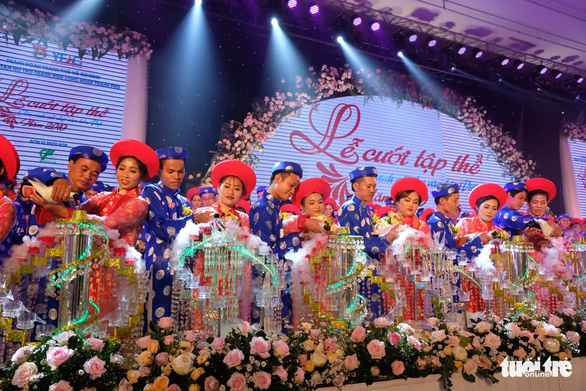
(409, 237)
(483, 262)
(551, 263)
(183, 239)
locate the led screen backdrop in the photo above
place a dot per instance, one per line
(335, 136)
(51, 100)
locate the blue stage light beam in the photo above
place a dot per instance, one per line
(82, 11)
(283, 60)
(422, 78)
(357, 60)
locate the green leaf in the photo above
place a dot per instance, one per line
(16, 36)
(468, 377)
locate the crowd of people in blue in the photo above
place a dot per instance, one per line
(149, 216)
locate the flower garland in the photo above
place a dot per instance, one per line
(574, 131)
(241, 140)
(27, 26)
(65, 362)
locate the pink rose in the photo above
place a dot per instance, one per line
(454, 340)
(438, 335)
(63, 338)
(281, 372)
(22, 354)
(513, 330)
(414, 342)
(299, 375)
(244, 327)
(331, 345)
(211, 384)
(398, 367)
(569, 311)
(492, 341)
(260, 346)
(167, 339)
(351, 362)
(281, 348)
(555, 321)
(165, 322)
(162, 359)
(57, 355)
(302, 358)
(95, 344)
(234, 358)
(144, 371)
(573, 336)
(23, 374)
(218, 343)
(173, 387)
(62, 385)
(482, 327)
(381, 322)
(189, 335)
(143, 342)
(359, 334)
(470, 367)
(262, 380)
(376, 349)
(521, 353)
(237, 382)
(394, 338)
(433, 322)
(551, 329)
(95, 367)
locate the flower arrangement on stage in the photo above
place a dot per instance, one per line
(241, 140)
(574, 131)
(28, 26)
(249, 359)
(65, 362)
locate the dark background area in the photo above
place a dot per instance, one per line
(187, 107)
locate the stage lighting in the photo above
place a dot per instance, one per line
(541, 69)
(503, 61)
(340, 39)
(198, 2)
(579, 79)
(400, 54)
(519, 64)
(292, 3)
(477, 53)
(556, 74)
(356, 20)
(431, 42)
(375, 26)
(412, 36)
(275, 22)
(314, 9)
(461, 50)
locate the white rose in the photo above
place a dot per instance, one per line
(319, 359)
(182, 364)
(460, 353)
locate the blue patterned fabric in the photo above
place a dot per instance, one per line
(363, 172)
(164, 221)
(16, 233)
(91, 153)
(444, 191)
(511, 220)
(442, 230)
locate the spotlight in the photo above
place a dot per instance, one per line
(519, 64)
(541, 69)
(356, 20)
(198, 2)
(375, 26)
(556, 74)
(412, 36)
(292, 3)
(313, 9)
(340, 39)
(579, 79)
(275, 22)
(400, 54)
(504, 61)
(477, 53)
(431, 42)
(461, 49)
(453, 68)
